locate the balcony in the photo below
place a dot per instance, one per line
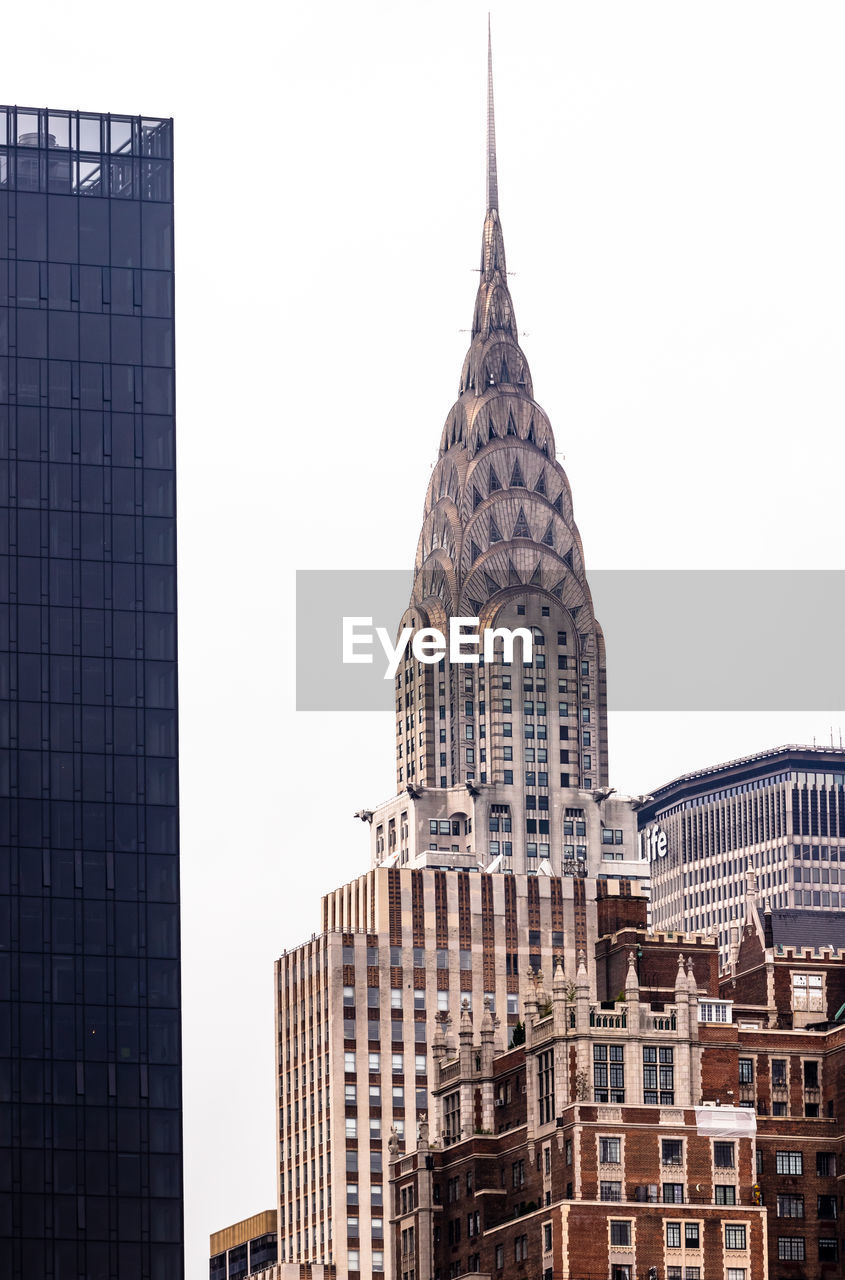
(613, 1019)
(542, 1031)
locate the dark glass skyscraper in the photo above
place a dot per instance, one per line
(90, 1050)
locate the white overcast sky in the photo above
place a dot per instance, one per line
(672, 194)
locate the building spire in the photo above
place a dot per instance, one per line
(492, 178)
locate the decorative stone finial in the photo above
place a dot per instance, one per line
(632, 982)
(692, 985)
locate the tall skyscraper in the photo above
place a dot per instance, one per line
(90, 1078)
(504, 845)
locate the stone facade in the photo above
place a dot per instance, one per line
(356, 1012)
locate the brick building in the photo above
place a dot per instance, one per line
(641, 1133)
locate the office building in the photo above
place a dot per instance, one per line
(779, 814)
(504, 848)
(89, 902)
(244, 1249)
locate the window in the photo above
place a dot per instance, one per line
(723, 1155)
(349, 1062)
(825, 1164)
(778, 1073)
(546, 1085)
(351, 1127)
(713, 1011)
(724, 1194)
(396, 1063)
(452, 1117)
(790, 1206)
(608, 1073)
(547, 1237)
(658, 1076)
(691, 1235)
(736, 1273)
(789, 1162)
(673, 1235)
(791, 1249)
(746, 1071)
(373, 1060)
(353, 1258)
(828, 1251)
(672, 1151)
(673, 1193)
(518, 1173)
(807, 993)
(349, 1095)
(620, 1233)
(520, 1248)
(734, 1235)
(610, 1150)
(826, 1206)
(500, 1256)
(610, 1191)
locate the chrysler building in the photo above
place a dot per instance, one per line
(503, 846)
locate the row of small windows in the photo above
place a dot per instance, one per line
(374, 1063)
(794, 1249)
(760, 784)
(621, 1235)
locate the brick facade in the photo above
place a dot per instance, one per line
(561, 1182)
